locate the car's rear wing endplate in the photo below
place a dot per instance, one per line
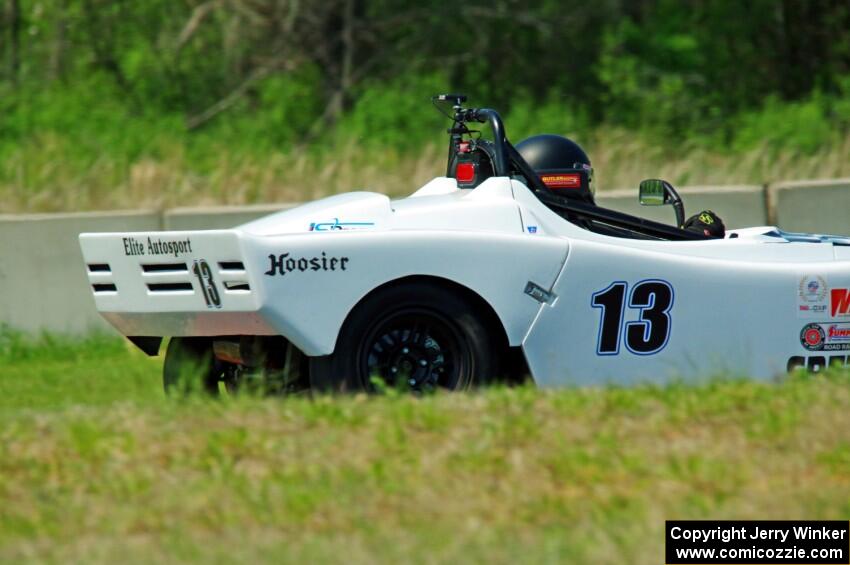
(172, 283)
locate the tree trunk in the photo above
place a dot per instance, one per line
(101, 42)
(59, 45)
(340, 75)
(14, 40)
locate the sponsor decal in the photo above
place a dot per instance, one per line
(285, 263)
(532, 229)
(336, 225)
(816, 363)
(812, 337)
(562, 181)
(826, 337)
(133, 246)
(812, 296)
(839, 302)
(838, 332)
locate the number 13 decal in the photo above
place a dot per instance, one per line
(205, 279)
(653, 300)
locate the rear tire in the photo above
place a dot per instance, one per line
(190, 367)
(417, 337)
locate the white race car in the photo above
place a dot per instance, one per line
(503, 268)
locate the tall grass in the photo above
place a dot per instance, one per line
(40, 176)
(81, 146)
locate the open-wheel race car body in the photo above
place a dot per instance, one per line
(454, 286)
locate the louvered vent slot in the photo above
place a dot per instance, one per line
(104, 287)
(231, 265)
(99, 268)
(165, 268)
(170, 287)
(236, 285)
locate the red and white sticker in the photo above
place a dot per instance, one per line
(839, 302)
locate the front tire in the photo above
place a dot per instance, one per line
(417, 337)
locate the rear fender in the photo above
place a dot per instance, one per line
(308, 284)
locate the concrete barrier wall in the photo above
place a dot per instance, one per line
(42, 275)
(45, 288)
(218, 217)
(811, 206)
(739, 206)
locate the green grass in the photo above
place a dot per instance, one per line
(55, 373)
(97, 466)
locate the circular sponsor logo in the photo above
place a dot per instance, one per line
(812, 337)
(813, 289)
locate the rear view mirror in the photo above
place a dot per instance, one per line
(657, 192)
(653, 193)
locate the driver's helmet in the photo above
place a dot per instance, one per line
(562, 165)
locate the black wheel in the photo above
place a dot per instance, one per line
(417, 336)
(190, 366)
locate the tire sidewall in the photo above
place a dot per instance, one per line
(189, 367)
(341, 371)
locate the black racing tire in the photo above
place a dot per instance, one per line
(417, 337)
(191, 367)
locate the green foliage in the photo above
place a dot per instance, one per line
(395, 115)
(802, 126)
(649, 79)
(110, 103)
(288, 107)
(528, 117)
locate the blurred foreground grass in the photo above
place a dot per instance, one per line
(97, 466)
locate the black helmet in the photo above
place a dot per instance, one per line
(563, 166)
